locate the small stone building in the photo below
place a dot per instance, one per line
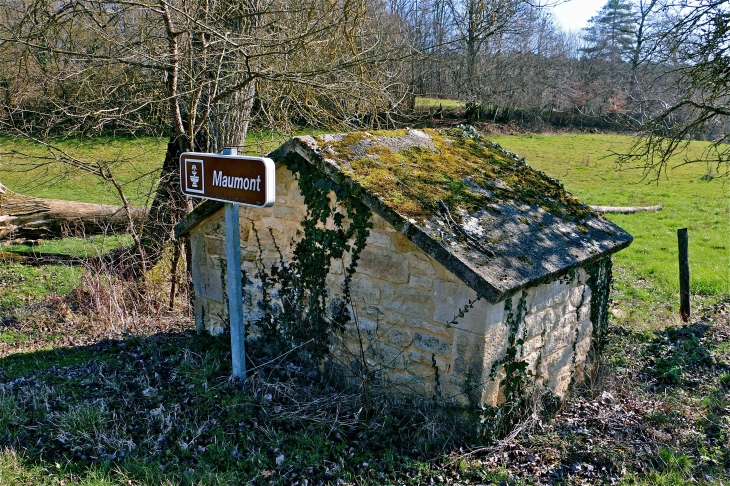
(476, 265)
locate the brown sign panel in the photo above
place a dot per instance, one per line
(228, 178)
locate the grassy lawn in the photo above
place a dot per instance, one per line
(23, 284)
(135, 162)
(422, 102)
(647, 275)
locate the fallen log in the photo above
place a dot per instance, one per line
(625, 209)
(36, 218)
(38, 259)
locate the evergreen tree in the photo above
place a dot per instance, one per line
(611, 34)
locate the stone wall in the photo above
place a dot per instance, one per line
(404, 308)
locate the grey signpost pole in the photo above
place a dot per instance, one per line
(235, 304)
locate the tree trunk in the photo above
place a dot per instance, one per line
(29, 217)
(169, 205)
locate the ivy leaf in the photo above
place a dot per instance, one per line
(338, 218)
(324, 184)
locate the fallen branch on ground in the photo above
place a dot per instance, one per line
(625, 209)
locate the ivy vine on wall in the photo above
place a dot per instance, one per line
(305, 317)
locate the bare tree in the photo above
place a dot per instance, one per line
(694, 102)
(199, 69)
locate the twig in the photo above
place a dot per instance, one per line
(457, 227)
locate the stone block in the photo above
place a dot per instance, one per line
(560, 338)
(200, 313)
(282, 191)
(560, 384)
(532, 362)
(431, 344)
(577, 295)
(386, 356)
(453, 390)
(586, 329)
(207, 283)
(468, 355)
(295, 197)
(582, 348)
(492, 393)
(337, 268)
(365, 290)
(547, 295)
(288, 213)
(584, 311)
(384, 264)
(379, 223)
(535, 323)
(416, 324)
(398, 337)
(368, 326)
(450, 298)
(215, 246)
(217, 319)
(423, 267)
(407, 301)
(421, 364)
(569, 319)
(197, 242)
(408, 384)
(556, 363)
(377, 238)
(495, 344)
(551, 319)
(372, 311)
(334, 283)
(249, 255)
(420, 283)
(532, 347)
(276, 225)
(481, 319)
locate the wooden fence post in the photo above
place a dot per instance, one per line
(684, 289)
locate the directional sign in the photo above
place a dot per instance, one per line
(229, 178)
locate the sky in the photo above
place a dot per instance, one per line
(574, 14)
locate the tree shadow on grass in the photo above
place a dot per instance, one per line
(683, 357)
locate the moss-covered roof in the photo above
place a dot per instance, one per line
(481, 211)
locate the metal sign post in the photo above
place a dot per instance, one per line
(235, 290)
(234, 180)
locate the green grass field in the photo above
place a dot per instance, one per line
(426, 103)
(135, 162)
(647, 275)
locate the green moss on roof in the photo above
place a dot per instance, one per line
(467, 171)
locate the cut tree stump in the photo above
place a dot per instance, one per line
(625, 209)
(35, 218)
